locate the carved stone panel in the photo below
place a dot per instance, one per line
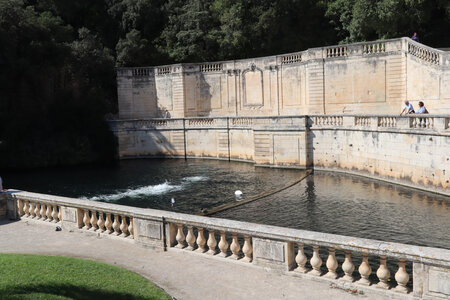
(290, 86)
(252, 86)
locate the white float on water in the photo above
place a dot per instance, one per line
(238, 193)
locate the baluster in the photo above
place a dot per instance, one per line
(20, 207)
(131, 228)
(30, 209)
(116, 225)
(331, 264)
(201, 241)
(223, 245)
(94, 221)
(247, 249)
(235, 247)
(348, 267)
(101, 222)
(27, 209)
(180, 237)
(37, 211)
(316, 262)
(60, 214)
(85, 219)
(301, 259)
(108, 224)
(43, 212)
(364, 270)
(212, 243)
(49, 213)
(190, 239)
(383, 274)
(401, 277)
(55, 214)
(124, 227)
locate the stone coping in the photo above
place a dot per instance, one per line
(405, 40)
(432, 256)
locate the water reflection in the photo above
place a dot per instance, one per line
(355, 206)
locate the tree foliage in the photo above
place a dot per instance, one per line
(58, 58)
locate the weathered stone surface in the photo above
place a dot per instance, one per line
(369, 77)
(401, 149)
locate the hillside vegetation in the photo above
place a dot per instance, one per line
(58, 58)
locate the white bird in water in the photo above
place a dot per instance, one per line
(238, 193)
(172, 201)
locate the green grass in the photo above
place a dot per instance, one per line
(53, 277)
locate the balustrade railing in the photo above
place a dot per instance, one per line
(348, 266)
(363, 121)
(387, 122)
(106, 223)
(377, 47)
(142, 72)
(338, 259)
(328, 120)
(337, 51)
(39, 210)
(201, 122)
(224, 243)
(211, 67)
(292, 58)
(164, 70)
(423, 53)
(241, 121)
(421, 122)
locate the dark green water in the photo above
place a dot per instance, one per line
(325, 202)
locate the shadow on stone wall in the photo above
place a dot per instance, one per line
(203, 102)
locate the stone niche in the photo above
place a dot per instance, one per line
(253, 87)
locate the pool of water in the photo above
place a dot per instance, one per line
(324, 202)
(152, 183)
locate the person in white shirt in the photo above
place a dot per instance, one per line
(422, 109)
(408, 108)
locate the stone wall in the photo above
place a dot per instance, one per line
(373, 77)
(410, 150)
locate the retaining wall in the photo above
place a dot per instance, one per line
(409, 150)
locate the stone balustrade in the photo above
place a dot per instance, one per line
(381, 122)
(105, 222)
(424, 53)
(372, 48)
(345, 261)
(39, 210)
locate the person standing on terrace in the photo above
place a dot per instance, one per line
(415, 37)
(408, 108)
(422, 109)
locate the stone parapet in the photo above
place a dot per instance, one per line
(280, 249)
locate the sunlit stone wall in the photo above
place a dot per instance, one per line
(372, 77)
(412, 150)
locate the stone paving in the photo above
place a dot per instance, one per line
(182, 274)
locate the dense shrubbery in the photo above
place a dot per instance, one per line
(57, 58)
